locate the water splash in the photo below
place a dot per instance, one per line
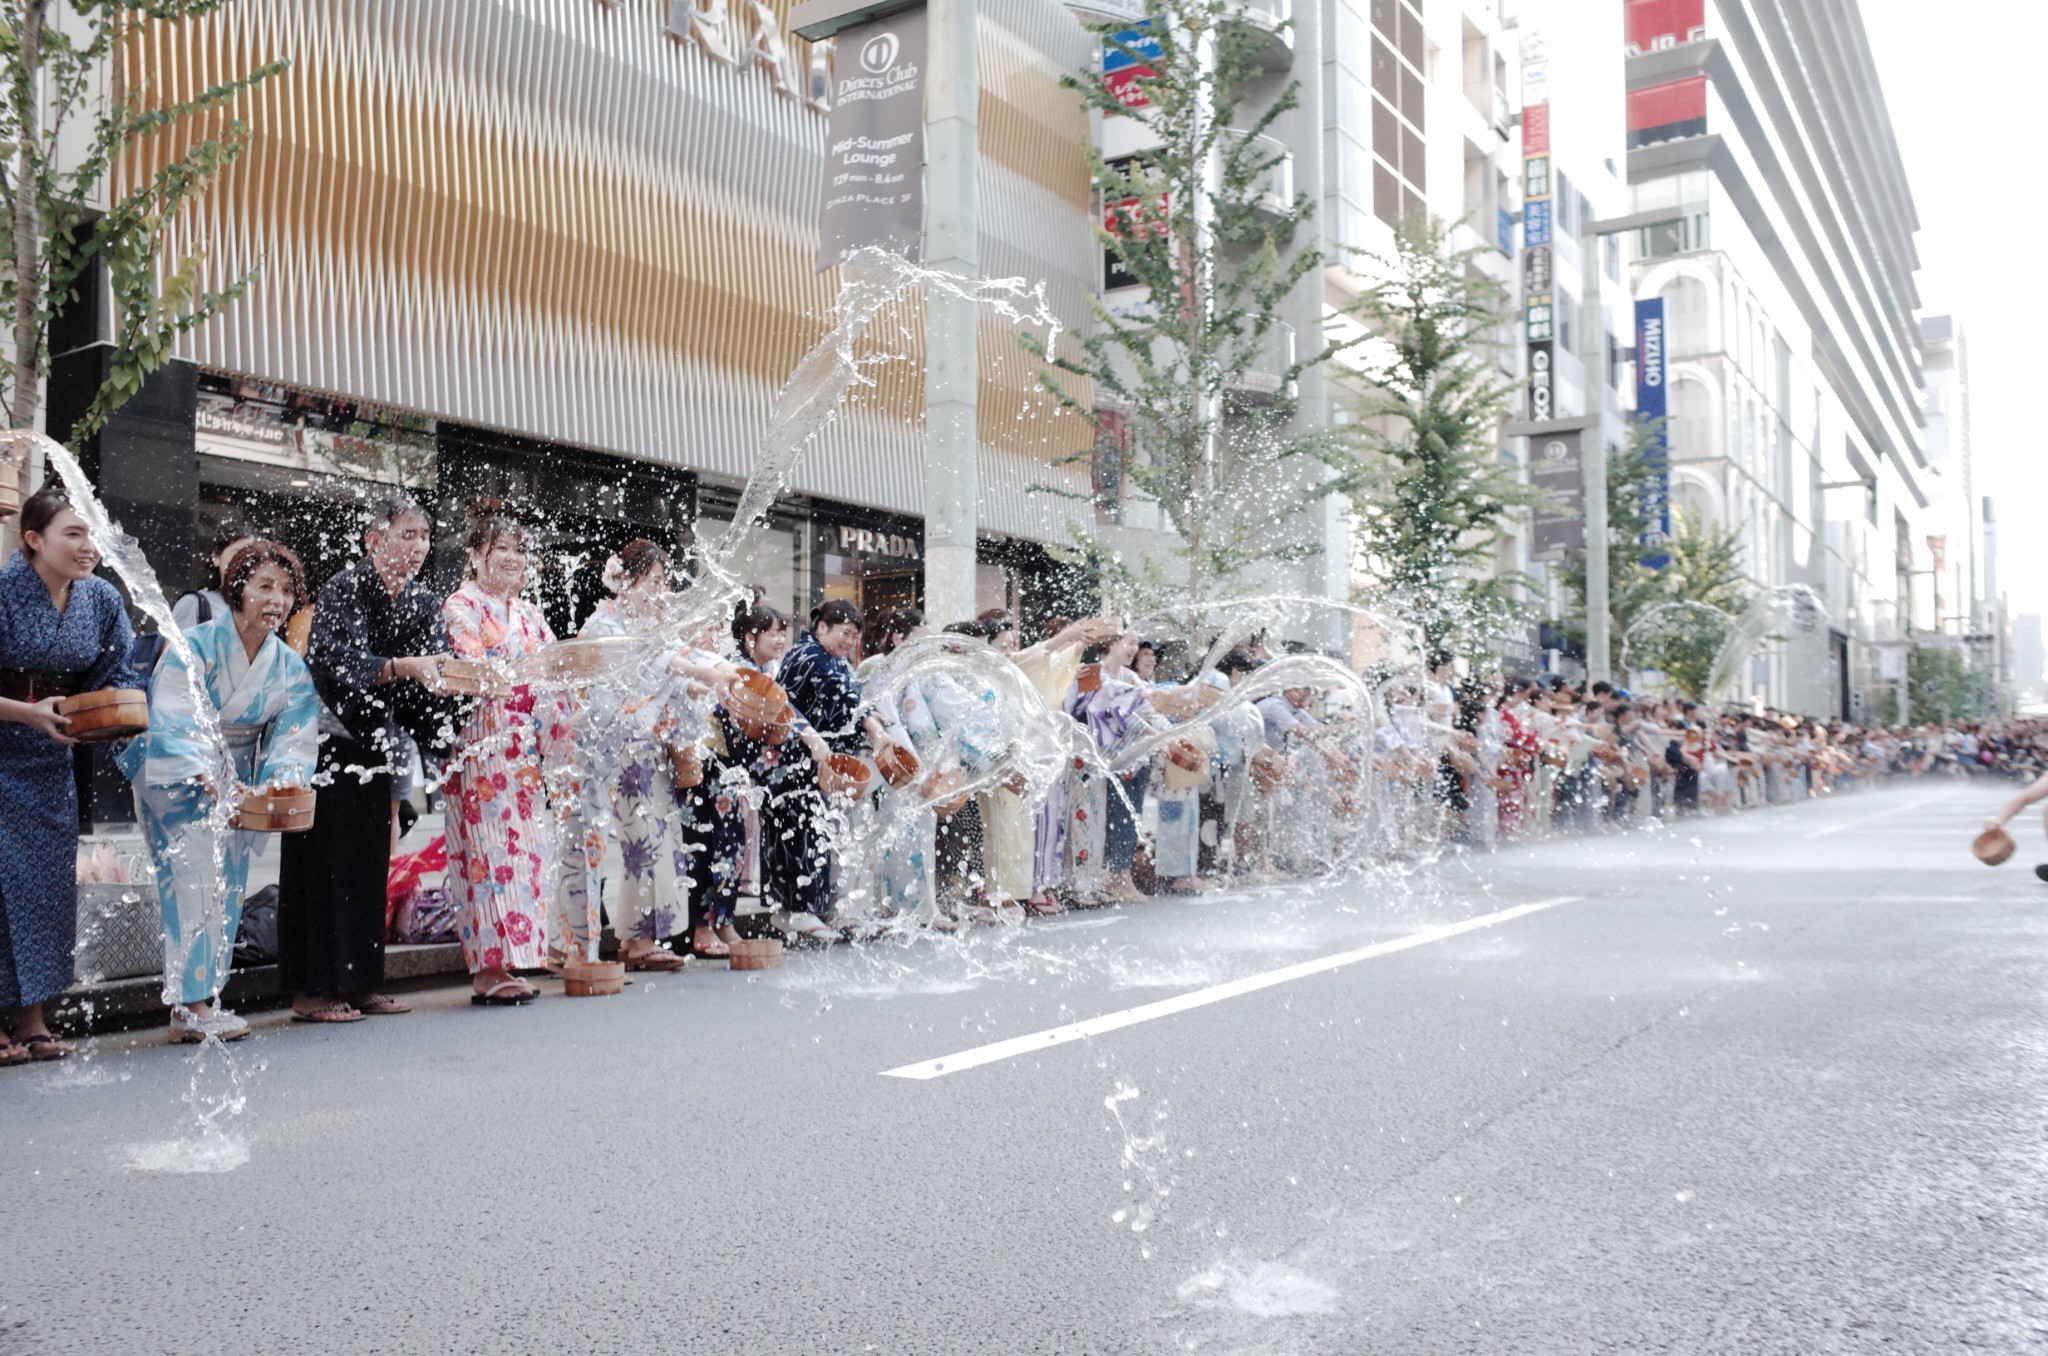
(1258, 1290)
(217, 1097)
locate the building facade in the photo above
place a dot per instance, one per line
(1771, 215)
(557, 256)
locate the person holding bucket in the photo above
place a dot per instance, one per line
(269, 717)
(62, 631)
(2033, 794)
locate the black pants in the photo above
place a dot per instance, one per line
(330, 888)
(960, 868)
(716, 835)
(796, 861)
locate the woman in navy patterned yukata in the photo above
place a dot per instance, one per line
(62, 631)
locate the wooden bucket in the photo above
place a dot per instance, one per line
(1185, 754)
(284, 809)
(577, 661)
(897, 764)
(593, 979)
(943, 790)
(1268, 769)
(759, 706)
(476, 678)
(111, 713)
(685, 766)
(757, 953)
(844, 775)
(1994, 847)
(1089, 679)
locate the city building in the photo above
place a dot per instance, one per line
(1574, 300)
(1771, 215)
(557, 256)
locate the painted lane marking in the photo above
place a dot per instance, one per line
(1852, 823)
(1167, 1007)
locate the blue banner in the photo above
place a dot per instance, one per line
(1653, 403)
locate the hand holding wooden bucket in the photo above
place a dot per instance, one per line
(109, 714)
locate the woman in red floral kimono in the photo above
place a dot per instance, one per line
(498, 823)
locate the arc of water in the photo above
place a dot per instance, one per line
(124, 556)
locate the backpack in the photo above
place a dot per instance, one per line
(148, 649)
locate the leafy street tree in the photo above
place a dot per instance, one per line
(1633, 588)
(1942, 688)
(56, 58)
(1193, 392)
(1705, 591)
(1431, 494)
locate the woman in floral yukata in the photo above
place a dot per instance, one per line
(725, 822)
(270, 720)
(623, 739)
(62, 631)
(1103, 837)
(498, 828)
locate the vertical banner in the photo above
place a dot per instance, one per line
(1653, 387)
(1125, 58)
(874, 150)
(1555, 534)
(1539, 306)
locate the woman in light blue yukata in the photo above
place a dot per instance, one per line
(270, 719)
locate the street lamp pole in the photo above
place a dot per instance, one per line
(951, 353)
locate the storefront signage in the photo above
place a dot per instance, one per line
(1126, 58)
(1536, 272)
(707, 26)
(1653, 385)
(1541, 404)
(1132, 219)
(874, 150)
(1556, 533)
(866, 542)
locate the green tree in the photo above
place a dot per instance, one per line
(1193, 394)
(1706, 591)
(1941, 688)
(1633, 588)
(1431, 492)
(56, 58)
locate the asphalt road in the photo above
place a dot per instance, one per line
(1776, 1083)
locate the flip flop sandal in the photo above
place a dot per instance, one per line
(1044, 908)
(378, 1005)
(11, 1054)
(43, 1049)
(328, 1016)
(663, 961)
(509, 994)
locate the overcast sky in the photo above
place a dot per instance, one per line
(1963, 81)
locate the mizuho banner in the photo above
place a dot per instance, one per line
(1653, 402)
(874, 151)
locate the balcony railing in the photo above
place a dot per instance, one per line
(1269, 17)
(1275, 185)
(1266, 374)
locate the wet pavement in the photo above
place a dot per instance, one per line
(1770, 1083)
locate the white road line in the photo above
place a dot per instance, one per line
(1852, 823)
(1167, 1007)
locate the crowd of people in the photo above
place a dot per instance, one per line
(855, 775)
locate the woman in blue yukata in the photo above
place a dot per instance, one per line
(270, 720)
(62, 631)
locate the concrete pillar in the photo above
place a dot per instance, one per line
(952, 370)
